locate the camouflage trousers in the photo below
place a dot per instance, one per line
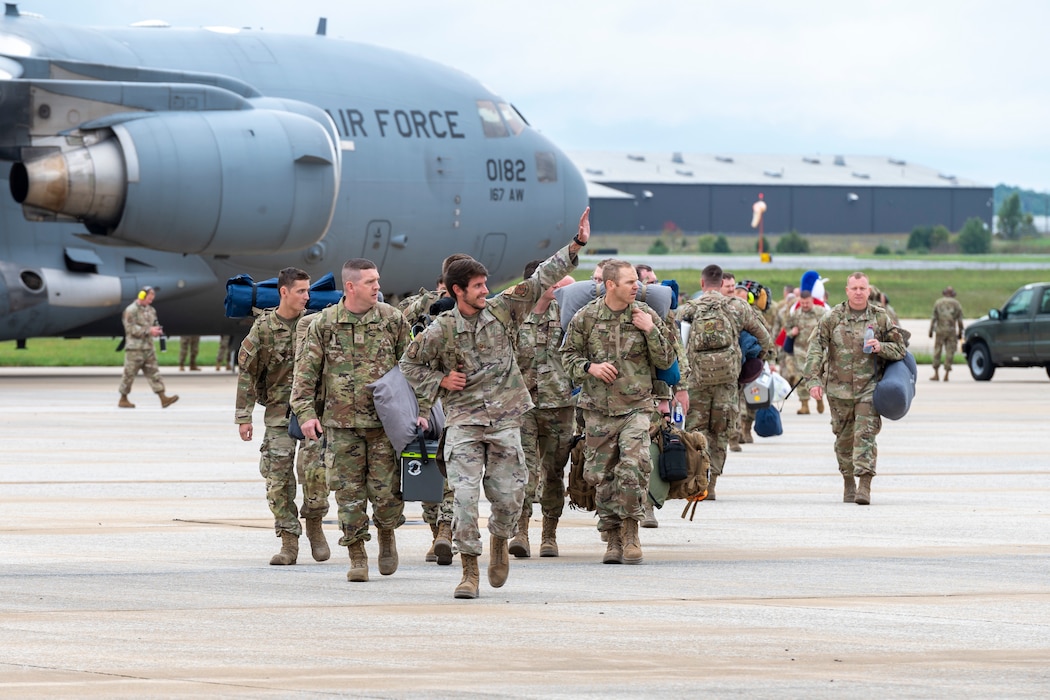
(489, 456)
(361, 466)
(946, 344)
(189, 346)
(546, 437)
(617, 463)
(856, 425)
(440, 512)
(222, 357)
(277, 465)
(789, 368)
(145, 360)
(714, 410)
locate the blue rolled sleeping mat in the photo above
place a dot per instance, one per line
(243, 294)
(896, 389)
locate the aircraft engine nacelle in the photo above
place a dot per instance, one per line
(223, 182)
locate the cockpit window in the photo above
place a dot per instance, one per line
(491, 123)
(513, 119)
(546, 167)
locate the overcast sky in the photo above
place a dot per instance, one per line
(957, 85)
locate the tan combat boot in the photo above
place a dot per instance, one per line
(195, 368)
(804, 408)
(936, 377)
(289, 550)
(443, 543)
(499, 561)
(614, 546)
(849, 488)
(947, 370)
(820, 405)
(124, 403)
(711, 479)
(632, 547)
(468, 587)
(387, 552)
(358, 562)
(734, 443)
(166, 400)
(318, 544)
(431, 555)
(549, 538)
(650, 517)
(519, 544)
(182, 367)
(863, 491)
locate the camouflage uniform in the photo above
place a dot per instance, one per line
(836, 360)
(222, 356)
(343, 353)
(267, 360)
(786, 361)
(483, 420)
(418, 305)
(138, 347)
(946, 327)
(189, 346)
(617, 415)
(712, 404)
(546, 429)
(807, 322)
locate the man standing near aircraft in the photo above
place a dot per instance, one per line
(267, 361)
(466, 357)
(843, 363)
(140, 328)
(946, 327)
(612, 347)
(348, 346)
(546, 428)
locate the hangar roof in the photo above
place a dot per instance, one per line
(756, 169)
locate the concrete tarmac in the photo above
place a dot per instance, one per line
(135, 548)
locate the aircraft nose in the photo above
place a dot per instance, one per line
(576, 199)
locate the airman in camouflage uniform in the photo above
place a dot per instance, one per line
(801, 324)
(140, 328)
(714, 393)
(466, 358)
(946, 328)
(837, 364)
(613, 346)
(546, 429)
(348, 346)
(222, 356)
(267, 360)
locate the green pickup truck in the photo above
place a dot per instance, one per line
(1017, 335)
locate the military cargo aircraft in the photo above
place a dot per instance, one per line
(179, 158)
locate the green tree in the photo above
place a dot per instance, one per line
(707, 244)
(919, 240)
(792, 243)
(721, 245)
(658, 248)
(975, 238)
(939, 237)
(1011, 217)
(881, 249)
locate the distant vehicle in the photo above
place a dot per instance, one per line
(1018, 335)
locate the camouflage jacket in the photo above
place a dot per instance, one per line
(342, 354)
(947, 317)
(418, 305)
(836, 359)
(598, 334)
(138, 320)
(267, 360)
(539, 359)
(807, 323)
(482, 347)
(740, 314)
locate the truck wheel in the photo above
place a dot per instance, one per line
(980, 362)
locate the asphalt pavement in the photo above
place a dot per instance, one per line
(135, 548)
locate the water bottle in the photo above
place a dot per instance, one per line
(677, 417)
(868, 335)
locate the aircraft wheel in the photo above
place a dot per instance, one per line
(980, 362)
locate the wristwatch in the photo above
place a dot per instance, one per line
(577, 241)
(586, 367)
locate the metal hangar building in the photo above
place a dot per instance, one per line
(709, 193)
